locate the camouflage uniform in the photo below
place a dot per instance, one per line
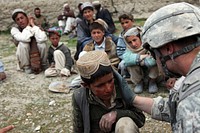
(187, 116)
(168, 24)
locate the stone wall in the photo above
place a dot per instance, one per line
(52, 8)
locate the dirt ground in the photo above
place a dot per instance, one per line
(27, 103)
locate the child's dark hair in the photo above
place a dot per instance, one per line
(102, 71)
(80, 4)
(50, 33)
(37, 8)
(96, 25)
(126, 16)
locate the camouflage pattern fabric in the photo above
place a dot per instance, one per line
(171, 23)
(185, 114)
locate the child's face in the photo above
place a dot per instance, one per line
(134, 42)
(97, 36)
(103, 87)
(88, 14)
(21, 20)
(54, 39)
(126, 24)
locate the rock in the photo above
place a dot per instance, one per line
(28, 114)
(37, 128)
(32, 76)
(52, 103)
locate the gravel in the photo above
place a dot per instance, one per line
(27, 103)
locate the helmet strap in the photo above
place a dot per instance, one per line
(174, 55)
(184, 50)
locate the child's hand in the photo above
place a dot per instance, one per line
(52, 65)
(170, 83)
(6, 129)
(142, 57)
(31, 21)
(107, 121)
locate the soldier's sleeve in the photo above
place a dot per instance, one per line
(160, 109)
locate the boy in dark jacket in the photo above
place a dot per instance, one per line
(99, 107)
(59, 56)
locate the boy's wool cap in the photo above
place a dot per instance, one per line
(102, 22)
(17, 10)
(89, 63)
(66, 5)
(86, 5)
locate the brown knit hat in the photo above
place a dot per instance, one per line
(89, 63)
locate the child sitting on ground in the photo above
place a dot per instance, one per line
(101, 105)
(127, 22)
(59, 56)
(101, 42)
(139, 61)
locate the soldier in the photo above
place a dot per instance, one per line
(172, 34)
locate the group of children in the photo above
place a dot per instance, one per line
(125, 52)
(103, 103)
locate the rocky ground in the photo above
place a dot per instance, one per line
(27, 103)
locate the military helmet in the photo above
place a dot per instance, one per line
(170, 23)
